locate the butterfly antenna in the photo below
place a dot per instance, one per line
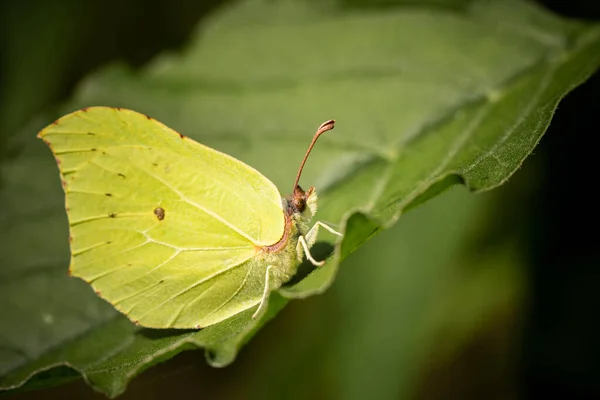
(324, 127)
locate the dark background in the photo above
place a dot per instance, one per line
(45, 52)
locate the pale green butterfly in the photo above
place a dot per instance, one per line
(172, 233)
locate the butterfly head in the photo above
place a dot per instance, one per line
(303, 203)
(301, 206)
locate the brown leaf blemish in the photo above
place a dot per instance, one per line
(108, 194)
(121, 175)
(112, 215)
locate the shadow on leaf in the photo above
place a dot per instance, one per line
(320, 251)
(155, 334)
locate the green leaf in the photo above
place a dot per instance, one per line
(424, 98)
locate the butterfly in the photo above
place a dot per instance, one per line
(172, 233)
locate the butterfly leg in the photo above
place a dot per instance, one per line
(311, 236)
(305, 243)
(302, 249)
(263, 302)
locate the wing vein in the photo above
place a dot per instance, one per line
(108, 256)
(200, 282)
(232, 296)
(198, 206)
(143, 275)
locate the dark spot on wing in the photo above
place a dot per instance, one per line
(112, 215)
(108, 194)
(91, 133)
(160, 213)
(181, 136)
(121, 175)
(109, 242)
(149, 117)
(155, 164)
(93, 149)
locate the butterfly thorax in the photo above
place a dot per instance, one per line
(299, 209)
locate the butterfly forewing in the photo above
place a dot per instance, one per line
(164, 228)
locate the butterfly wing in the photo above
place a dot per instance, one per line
(162, 227)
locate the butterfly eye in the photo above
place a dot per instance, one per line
(300, 204)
